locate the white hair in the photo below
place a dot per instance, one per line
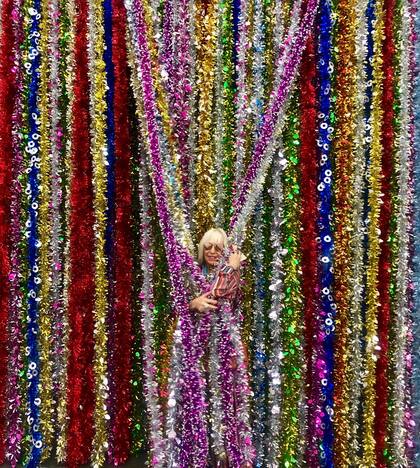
(215, 236)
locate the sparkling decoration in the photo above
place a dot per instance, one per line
(32, 230)
(130, 127)
(206, 37)
(292, 364)
(80, 397)
(400, 437)
(66, 41)
(99, 152)
(384, 265)
(326, 321)
(45, 307)
(415, 284)
(343, 150)
(151, 385)
(258, 343)
(16, 389)
(224, 147)
(60, 235)
(274, 406)
(355, 367)
(57, 105)
(193, 441)
(138, 436)
(118, 134)
(242, 96)
(372, 294)
(310, 286)
(7, 269)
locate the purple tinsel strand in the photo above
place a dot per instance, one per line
(194, 443)
(174, 56)
(226, 383)
(235, 390)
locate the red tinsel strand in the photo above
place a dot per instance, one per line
(80, 396)
(308, 169)
(381, 410)
(7, 91)
(121, 425)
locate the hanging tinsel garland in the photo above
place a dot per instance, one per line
(326, 324)
(7, 93)
(416, 233)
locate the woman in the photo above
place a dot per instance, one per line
(222, 300)
(226, 283)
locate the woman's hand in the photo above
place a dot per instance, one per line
(235, 258)
(203, 303)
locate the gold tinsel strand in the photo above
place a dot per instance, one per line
(271, 43)
(99, 154)
(374, 177)
(358, 266)
(206, 38)
(46, 416)
(344, 197)
(67, 10)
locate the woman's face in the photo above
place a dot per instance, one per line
(212, 253)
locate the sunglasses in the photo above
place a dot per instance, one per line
(209, 245)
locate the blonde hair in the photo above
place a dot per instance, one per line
(215, 236)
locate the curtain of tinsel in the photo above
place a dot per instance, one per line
(127, 129)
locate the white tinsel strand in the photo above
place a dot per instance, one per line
(242, 390)
(215, 403)
(274, 316)
(416, 236)
(259, 371)
(403, 156)
(153, 407)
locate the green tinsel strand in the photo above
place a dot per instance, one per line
(291, 440)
